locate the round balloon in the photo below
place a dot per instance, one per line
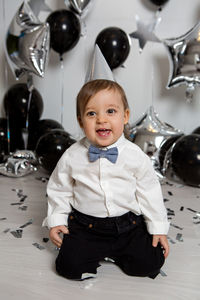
(185, 159)
(196, 130)
(114, 44)
(158, 2)
(65, 30)
(42, 127)
(51, 146)
(21, 106)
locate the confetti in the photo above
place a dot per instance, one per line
(182, 208)
(171, 241)
(17, 233)
(6, 230)
(192, 210)
(2, 219)
(38, 246)
(170, 193)
(179, 237)
(162, 273)
(176, 226)
(45, 240)
(26, 224)
(24, 207)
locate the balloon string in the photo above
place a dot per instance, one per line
(62, 89)
(6, 77)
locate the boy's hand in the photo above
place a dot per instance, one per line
(54, 234)
(163, 241)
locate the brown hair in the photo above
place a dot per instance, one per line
(91, 88)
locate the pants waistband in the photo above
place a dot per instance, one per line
(124, 220)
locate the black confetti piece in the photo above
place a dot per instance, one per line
(2, 219)
(176, 226)
(6, 230)
(24, 207)
(170, 193)
(192, 210)
(182, 208)
(165, 199)
(45, 240)
(26, 224)
(16, 203)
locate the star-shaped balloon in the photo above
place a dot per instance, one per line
(145, 32)
(27, 43)
(184, 58)
(37, 6)
(153, 136)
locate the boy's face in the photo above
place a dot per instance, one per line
(104, 118)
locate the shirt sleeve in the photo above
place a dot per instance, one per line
(150, 199)
(59, 193)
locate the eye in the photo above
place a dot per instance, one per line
(91, 113)
(111, 111)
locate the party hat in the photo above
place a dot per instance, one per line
(98, 68)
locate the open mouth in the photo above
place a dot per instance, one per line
(103, 132)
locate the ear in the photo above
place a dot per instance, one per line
(80, 121)
(126, 116)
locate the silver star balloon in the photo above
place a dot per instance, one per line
(184, 58)
(151, 135)
(80, 7)
(37, 6)
(18, 164)
(27, 43)
(145, 32)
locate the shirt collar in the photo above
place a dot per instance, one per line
(118, 143)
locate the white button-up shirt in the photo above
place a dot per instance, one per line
(104, 189)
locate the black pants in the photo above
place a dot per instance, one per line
(123, 239)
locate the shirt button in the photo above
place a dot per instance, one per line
(90, 225)
(134, 222)
(71, 217)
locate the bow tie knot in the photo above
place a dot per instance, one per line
(95, 153)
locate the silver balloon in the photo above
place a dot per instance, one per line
(145, 32)
(184, 59)
(19, 164)
(151, 135)
(81, 7)
(27, 43)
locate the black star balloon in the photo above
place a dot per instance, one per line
(145, 32)
(184, 59)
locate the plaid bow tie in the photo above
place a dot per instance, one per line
(95, 153)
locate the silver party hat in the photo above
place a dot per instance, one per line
(98, 67)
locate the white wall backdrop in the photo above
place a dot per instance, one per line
(144, 75)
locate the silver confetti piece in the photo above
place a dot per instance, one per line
(179, 237)
(38, 246)
(17, 233)
(162, 273)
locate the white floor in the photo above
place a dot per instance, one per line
(27, 272)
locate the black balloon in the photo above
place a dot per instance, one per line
(42, 127)
(165, 146)
(10, 140)
(158, 2)
(185, 159)
(114, 44)
(51, 146)
(16, 102)
(197, 130)
(65, 30)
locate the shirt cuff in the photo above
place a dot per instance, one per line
(158, 227)
(55, 220)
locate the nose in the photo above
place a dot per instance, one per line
(101, 118)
